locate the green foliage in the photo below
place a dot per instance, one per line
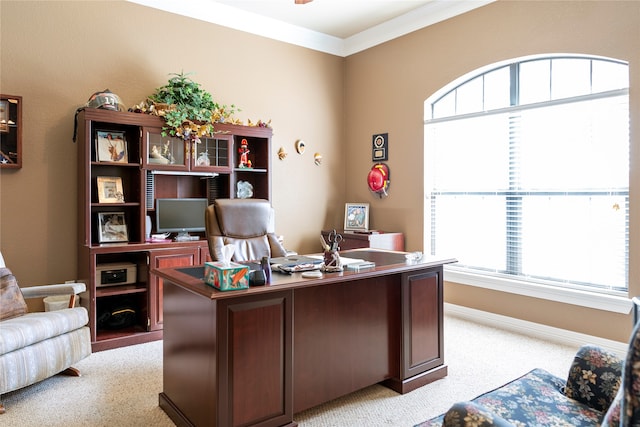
(187, 102)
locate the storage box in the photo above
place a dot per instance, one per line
(124, 273)
(226, 277)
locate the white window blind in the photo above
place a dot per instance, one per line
(537, 191)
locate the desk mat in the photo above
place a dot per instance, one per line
(197, 272)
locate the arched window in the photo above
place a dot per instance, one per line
(527, 173)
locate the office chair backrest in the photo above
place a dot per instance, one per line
(248, 224)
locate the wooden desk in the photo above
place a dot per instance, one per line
(258, 356)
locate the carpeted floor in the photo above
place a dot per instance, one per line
(120, 387)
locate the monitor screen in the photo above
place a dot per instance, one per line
(180, 215)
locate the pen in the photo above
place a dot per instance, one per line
(324, 243)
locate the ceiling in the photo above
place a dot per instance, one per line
(339, 27)
(338, 18)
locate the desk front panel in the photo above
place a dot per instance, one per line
(346, 338)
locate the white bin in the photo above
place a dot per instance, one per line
(57, 302)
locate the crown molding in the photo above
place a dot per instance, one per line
(429, 14)
(227, 16)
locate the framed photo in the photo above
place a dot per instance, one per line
(111, 146)
(110, 189)
(356, 216)
(112, 227)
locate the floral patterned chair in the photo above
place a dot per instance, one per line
(601, 390)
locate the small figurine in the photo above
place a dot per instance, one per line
(156, 157)
(244, 154)
(203, 159)
(166, 152)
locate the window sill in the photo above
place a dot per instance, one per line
(613, 303)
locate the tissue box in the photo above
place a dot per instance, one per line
(226, 277)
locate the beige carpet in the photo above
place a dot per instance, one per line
(120, 387)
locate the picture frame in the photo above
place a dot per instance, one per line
(111, 146)
(110, 189)
(10, 131)
(112, 227)
(356, 217)
(4, 115)
(380, 147)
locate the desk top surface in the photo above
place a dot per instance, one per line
(387, 262)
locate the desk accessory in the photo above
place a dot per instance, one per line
(226, 276)
(312, 274)
(357, 266)
(331, 257)
(257, 278)
(266, 269)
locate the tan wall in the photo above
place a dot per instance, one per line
(386, 87)
(57, 53)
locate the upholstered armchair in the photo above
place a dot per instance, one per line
(35, 346)
(248, 224)
(600, 390)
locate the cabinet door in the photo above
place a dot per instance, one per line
(255, 353)
(182, 257)
(212, 154)
(422, 322)
(164, 152)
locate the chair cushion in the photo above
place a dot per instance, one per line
(535, 399)
(22, 331)
(12, 303)
(594, 377)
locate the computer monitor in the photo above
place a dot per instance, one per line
(180, 215)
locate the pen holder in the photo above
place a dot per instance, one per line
(331, 261)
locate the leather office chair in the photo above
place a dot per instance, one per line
(248, 224)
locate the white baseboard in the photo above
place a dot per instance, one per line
(537, 330)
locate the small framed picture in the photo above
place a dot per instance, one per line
(380, 147)
(112, 227)
(111, 146)
(356, 216)
(110, 189)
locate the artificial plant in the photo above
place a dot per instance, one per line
(186, 108)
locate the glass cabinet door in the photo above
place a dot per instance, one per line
(212, 154)
(164, 152)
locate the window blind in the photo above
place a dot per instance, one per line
(539, 191)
